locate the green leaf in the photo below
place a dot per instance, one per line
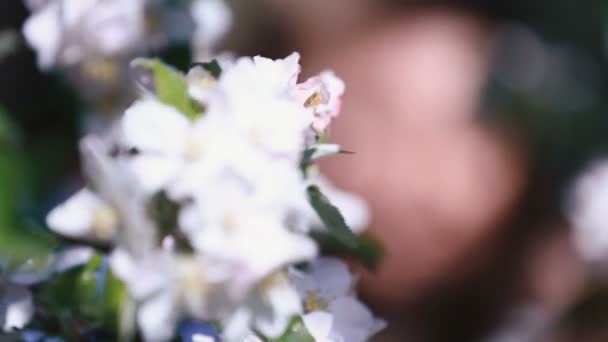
(81, 300)
(212, 67)
(170, 86)
(367, 251)
(18, 240)
(306, 159)
(338, 237)
(9, 133)
(296, 332)
(331, 217)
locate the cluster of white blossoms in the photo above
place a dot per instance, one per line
(70, 32)
(204, 204)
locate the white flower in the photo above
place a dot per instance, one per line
(242, 223)
(588, 212)
(331, 311)
(166, 286)
(154, 142)
(85, 216)
(117, 207)
(158, 144)
(253, 95)
(322, 95)
(123, 194)
(280, 75)
(64, 32)
(268, 310)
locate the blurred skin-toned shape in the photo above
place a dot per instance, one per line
(438, 181)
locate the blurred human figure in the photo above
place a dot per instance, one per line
(437, 179)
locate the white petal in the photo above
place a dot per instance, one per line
(251, 262)
(236, 327)
(202, 338)
(144, 277)
(333, 276)
(283, 302)
(72, 257)
(282, 73)
(153, 127)
(157, 317)
(154, 172)
(33, 271)
(354, 321)
(73, 11)
(318, 324)
(76, 217)
(37, 270)
(16, 307)
(252, 338)
(123, 266)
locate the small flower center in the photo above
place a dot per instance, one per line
(230, 221)
(194, 151)
(314, 302)
(269, 283)
(204, 83)
(192, 278)
(101, 69)
(255, 136)
(104, 223)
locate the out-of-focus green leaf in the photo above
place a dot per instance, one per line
(18, 240)
(8, 131)
(366, 250)
(81, 302)
(296, 332)
(170, 85)
(338, 237)
(331, 217)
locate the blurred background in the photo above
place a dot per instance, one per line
(470, 121)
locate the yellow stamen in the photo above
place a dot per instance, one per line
(194, 151)
(314, 302)
(271, 282)
(230, 221)
(314, 100)
(192, 278)
(101, 69)
(104, 223)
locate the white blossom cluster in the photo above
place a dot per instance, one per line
(206, 214)
(97, 32)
